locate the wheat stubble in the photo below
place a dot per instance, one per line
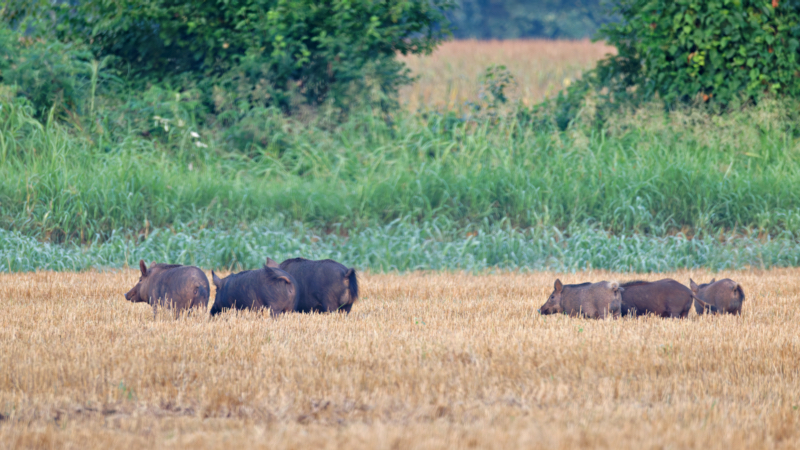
(424, 361)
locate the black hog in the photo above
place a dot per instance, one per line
(172, 285)
(592, 300)
(726, 295)
(323, 286)
(665, 298)
(267, 287)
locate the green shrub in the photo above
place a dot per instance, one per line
(686, 50)
(496, 80)
(320, 50)
(261, 132)
(47, 73)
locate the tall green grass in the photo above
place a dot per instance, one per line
(647, 173)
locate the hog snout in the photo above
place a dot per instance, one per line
(546, 311)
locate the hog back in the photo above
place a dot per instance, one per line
(593, 300)
(261, 288)
(664, 298)
(323, 286)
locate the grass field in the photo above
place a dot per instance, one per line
(646, 175)
(425, 360)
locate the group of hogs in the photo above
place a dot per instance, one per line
(663, 298)
(304, 285)
(296, 284)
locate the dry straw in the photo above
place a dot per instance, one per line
(424, 361)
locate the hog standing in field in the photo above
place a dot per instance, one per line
(593, 300)
(173, 285)
(726, 295)
(267, 287)
(323, 286)
(665, 298)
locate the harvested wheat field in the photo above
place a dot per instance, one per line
(451, 75)
(424, 361)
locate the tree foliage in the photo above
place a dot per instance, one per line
(318, 49)
(718, 50)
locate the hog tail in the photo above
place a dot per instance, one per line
(352, 284)
(704, 306)
(740, 291)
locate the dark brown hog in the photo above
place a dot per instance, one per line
(664, 298)
(172, 285)
(267, 287)
(726, 295)
(592, 300)
(323, 286)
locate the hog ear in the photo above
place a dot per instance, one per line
(272, 264)
(215, 279)
(286, 280)
(693, 285)
(558, 286)
(713, 280)
(143, 267)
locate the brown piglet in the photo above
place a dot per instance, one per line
(664, 298)
(726, 295)
(172, 285)
(267, 287)
(592, 300)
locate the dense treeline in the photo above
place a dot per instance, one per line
(513, 19)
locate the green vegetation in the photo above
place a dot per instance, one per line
(648, 177)
(721, 51)
(653, 175)
(405, 245)
(99, 168)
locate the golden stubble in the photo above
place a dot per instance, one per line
(450, 76)
(425, 360)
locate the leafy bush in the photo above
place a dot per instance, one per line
(721, 51)
(46, 73)
(496, 80)
(319, 49)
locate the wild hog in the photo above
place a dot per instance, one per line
(726, 295)
(323, 286)
(592, 300)
(665, 298)
(267, 287)
(172, 285)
